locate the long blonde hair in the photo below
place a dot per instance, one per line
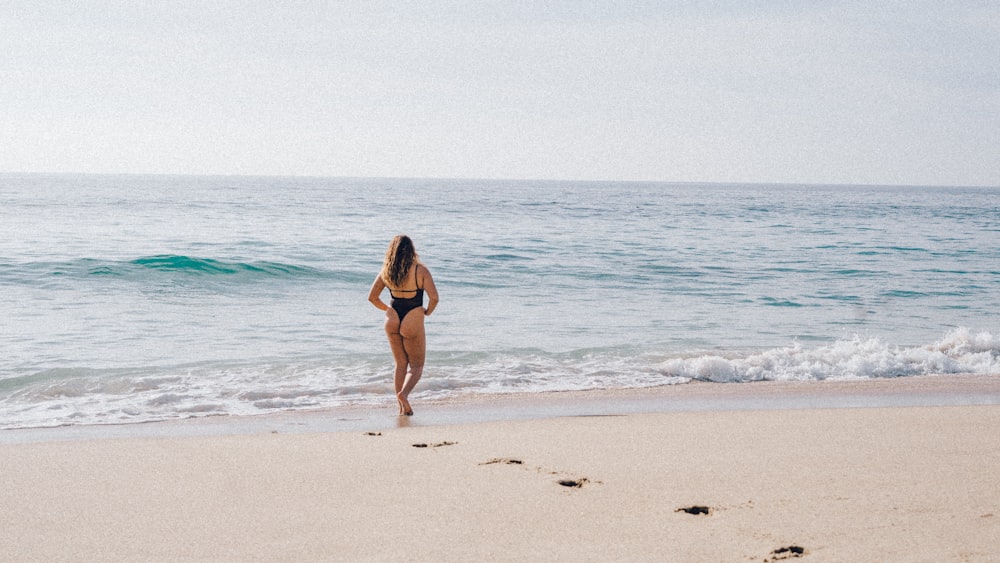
(399, 258)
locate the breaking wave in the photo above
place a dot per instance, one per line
(961, 351)
(97, 396)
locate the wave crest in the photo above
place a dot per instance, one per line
(208, 266)
(960, 351)
(168, 266)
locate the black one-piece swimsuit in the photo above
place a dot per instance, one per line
(404, 305)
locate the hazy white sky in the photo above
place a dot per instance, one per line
(865, 92)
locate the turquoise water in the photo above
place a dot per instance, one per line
(133, 298)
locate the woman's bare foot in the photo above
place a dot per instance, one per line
(404, 406)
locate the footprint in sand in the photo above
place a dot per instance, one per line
(782, 553)
(695, 510)
(504, 460)
(438, 445)
(569, 483)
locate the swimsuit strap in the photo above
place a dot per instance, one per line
(415, 281)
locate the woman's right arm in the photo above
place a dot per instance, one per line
(375, 294)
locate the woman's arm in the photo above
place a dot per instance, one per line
(432, 293)
(374, 295)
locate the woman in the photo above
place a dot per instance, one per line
(407, 279)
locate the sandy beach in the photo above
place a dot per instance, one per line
(840, 482)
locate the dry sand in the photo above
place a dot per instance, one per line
(824, 484)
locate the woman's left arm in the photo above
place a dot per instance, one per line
(432, 292)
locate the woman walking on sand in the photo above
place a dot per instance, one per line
(407, 280)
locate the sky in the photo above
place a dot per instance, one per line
(899, 93)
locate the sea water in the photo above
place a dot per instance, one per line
(138, 298)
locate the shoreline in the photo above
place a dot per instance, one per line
(695, 396)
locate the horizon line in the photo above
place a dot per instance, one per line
(504, 179)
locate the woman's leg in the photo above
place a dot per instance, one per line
(414, 347)
(398, 354)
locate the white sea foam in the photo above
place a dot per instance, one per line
(961, 351)
(90, 397)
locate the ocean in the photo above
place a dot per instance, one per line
(130, 299)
